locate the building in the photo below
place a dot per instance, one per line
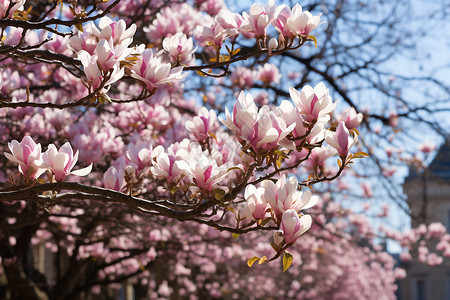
(428, 195)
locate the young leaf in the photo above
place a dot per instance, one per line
(262, 260)
(252, 260)
(287, 260)
(235, 235)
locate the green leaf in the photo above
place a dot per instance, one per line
(235, 235)
(252, 260)
(287, 260)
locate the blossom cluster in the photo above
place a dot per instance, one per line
(254, 24)
(106, 51)
(33, 163)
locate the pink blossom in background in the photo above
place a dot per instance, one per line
(427, 147)
(350, 117)
(268, 74)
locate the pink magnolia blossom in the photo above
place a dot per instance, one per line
(153, 72)
(94, 74)
(28, 155)
(242, 77)
(350, 117)
(341, 140)
(114, 179)
(258, 18)
(293, 115)
(230, 21)
(245, 111)
(281, 15)
(427, 147)
(203, 125)
(62, 161)
(313, 102)
(167, 166)
(257, 207)
(205, 172)
(140, 154)
(180, 48)
(268, 74)
(84, 40)
(110, 55)
(267, 131)
(212, 35)
(301, 23)
(294, 226)
(4, 4)
(116, 31)
(283, 195)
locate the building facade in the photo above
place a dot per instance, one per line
(428, 195)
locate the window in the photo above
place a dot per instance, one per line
(420, 289)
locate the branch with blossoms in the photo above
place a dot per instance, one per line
(104, 53)
(205, 176)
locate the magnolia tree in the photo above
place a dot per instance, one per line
(154, 143)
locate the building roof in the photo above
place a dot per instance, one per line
(439, 167)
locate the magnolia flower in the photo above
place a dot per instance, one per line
(167, 165)
(116, 31)
(213, 35)
(340, 140)
(257, 207)
(292, 115)
(314, 103)
(245, 111)
(4, 4)
(205, 172)
(283, 195)
(267, 131)
(180, 48)
(294, 226)
(351, 118)
(84, 40)
(202, 125)
(301, 23)
(268, 74)
(28, 155)
(258, 18)
(109, 55)
(114, 179)
(61, 162)
(140, 154)
(94, 74)
(153, 72)
(229, 21)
